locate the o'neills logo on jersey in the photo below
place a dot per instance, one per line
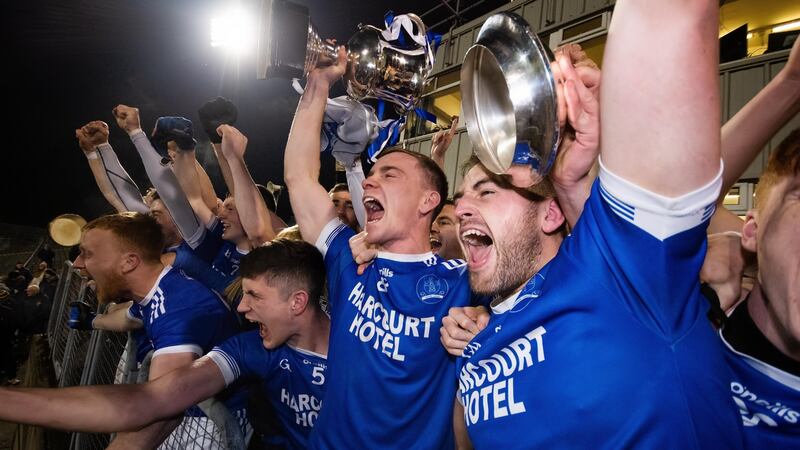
(483, 396)
(741, 395)
(382, 327)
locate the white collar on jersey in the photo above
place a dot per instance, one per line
(150, 294)
(503, 306)
(307, 352)
(401, 257)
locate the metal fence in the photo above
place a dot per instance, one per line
(104, 357)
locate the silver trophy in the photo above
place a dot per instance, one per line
(289, 46)
(508, 96)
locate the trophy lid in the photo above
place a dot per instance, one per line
(509, 96)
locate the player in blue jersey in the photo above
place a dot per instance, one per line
(182, 319)
(283, 282)
(390, 384)
(762, 335)
(613, 312)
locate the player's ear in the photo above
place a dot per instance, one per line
(129, 262)
(299, 302)
(552, 216)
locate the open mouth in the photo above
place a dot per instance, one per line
(374, 209)
(436, 244)
(478, 245)
(262, 329)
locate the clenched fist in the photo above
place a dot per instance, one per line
(234, 142)
(91, 135)
(127, 118)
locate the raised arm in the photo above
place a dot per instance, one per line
(660, 97)
(310, 202)
(111, 408)
(114, 182)
(224, 168)
(161, 176)
(184, 167)
(747, 132)
(253, 212)
(213, 113)
(206, 186)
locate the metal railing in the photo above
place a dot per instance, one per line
(104, 357)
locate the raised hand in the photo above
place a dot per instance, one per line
(127, 118)
(91, 135)
(580, 142)
(441, 142)
(178, 129)
(330, 74)
(234, 143)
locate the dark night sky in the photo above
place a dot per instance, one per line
(72, 62)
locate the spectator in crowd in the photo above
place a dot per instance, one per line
(21, 270)
(46, 254)
(283, 282)
(38, 274)
(35, 311)
(8, 327)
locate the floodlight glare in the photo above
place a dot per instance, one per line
(234, 30)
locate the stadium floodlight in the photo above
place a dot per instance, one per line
(233, 30)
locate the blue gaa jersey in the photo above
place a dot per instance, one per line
(180, 315)
(228, 260)
(194, 266)
(294, 379)
(209, 245)
(390, 383)
(767, 399)
(608, 345)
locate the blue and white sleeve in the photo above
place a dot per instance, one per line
(646, 248)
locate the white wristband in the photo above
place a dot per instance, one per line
(134, 131)
(92, 154)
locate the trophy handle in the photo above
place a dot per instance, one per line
(319, 53)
